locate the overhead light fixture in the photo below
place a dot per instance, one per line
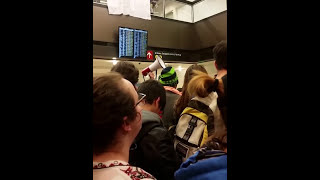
(114, 62)
(114, 58)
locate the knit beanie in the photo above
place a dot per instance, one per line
(168, 77)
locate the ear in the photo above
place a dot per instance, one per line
(157, 102)
(215, 64)
(125, 125)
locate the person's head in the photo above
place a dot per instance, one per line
(127, 70)
(220, 55)
(155, 95)
(185, 98)
(116, 115)
(169, 77)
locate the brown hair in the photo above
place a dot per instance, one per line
(111, 103)
(184, 99)
(127, 70)
(220, 55)
(202, 85)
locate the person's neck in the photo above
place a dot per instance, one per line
(149, 107)
(221, 73)
(116, 153)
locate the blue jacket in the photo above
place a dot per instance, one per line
(213, 166)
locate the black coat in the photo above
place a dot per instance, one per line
(153, 149)
(169, 117)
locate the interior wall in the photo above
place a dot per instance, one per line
(101, 67)
(207, 8)
(212, 30)
(162, 33)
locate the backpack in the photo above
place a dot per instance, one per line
(195, 123)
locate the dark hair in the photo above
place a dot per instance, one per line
(127, 70)
(184, 99)
(220, 55)
(217, 141)
(111, 103)
(153, 89)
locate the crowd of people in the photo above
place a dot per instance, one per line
(155, 131)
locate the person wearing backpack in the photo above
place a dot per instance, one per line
(153, 149)
(202, 117)
(210, 161)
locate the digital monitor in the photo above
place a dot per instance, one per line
(126, 42)
(140, 43)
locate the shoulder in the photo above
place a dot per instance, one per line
(121, 173)
(172, 94)
(158, 132)
(157, 136)
(203, 168)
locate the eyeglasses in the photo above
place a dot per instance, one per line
(141, 96)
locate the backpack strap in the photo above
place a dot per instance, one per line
(191, 126)
(198, 111)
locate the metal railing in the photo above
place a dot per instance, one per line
(178, 9)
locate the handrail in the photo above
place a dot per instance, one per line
(105, 4)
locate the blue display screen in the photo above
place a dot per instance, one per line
(125, 42)
(132, 42)
(140, 43)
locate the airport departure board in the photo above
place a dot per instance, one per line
(140, 43)
(126, 42)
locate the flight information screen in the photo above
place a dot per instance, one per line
(140, 43)
(126, 42)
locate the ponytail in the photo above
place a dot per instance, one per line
(202, 85)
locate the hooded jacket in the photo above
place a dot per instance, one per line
(207, 165)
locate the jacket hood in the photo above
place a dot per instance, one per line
(148, 116)
(211, 168)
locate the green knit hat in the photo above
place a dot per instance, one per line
(168, 77)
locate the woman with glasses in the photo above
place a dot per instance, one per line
(116, 123)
